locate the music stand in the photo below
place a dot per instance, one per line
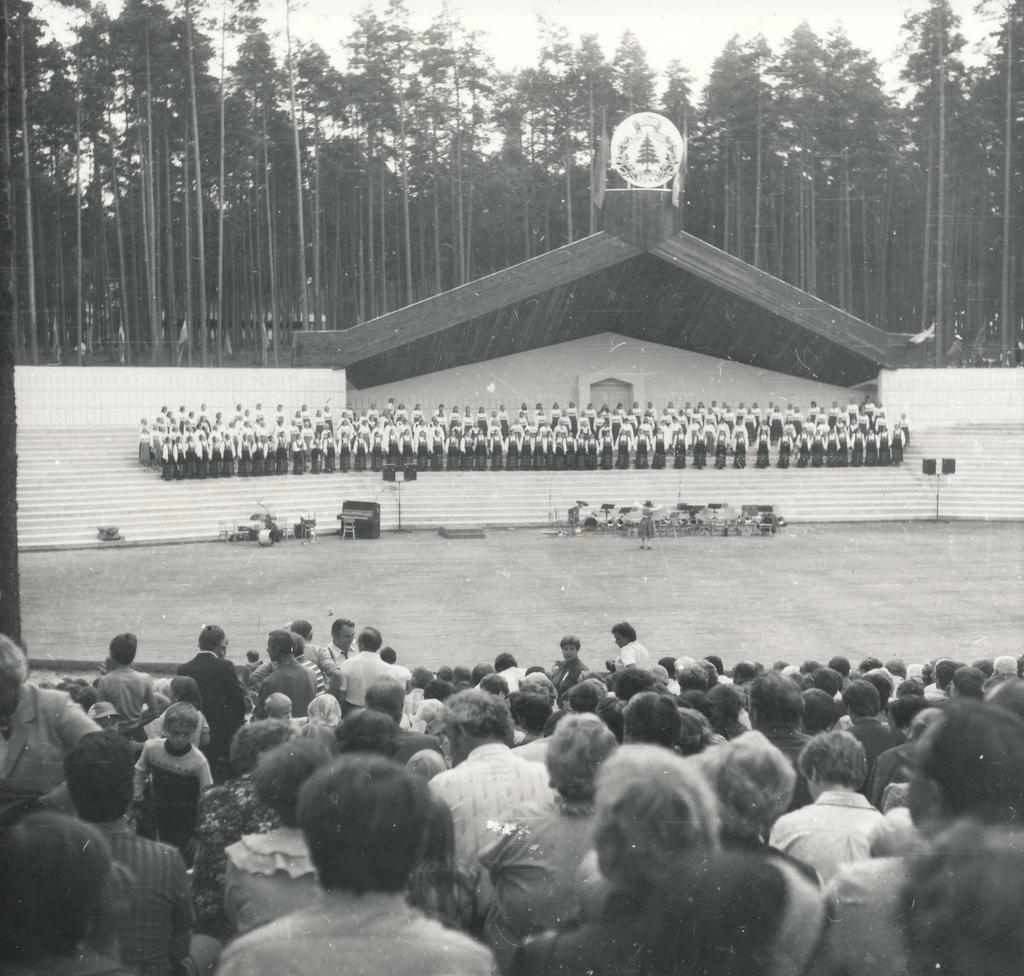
(400, 475)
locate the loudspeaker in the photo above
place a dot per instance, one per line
(928, 466)
(949, 465)
(389, 472)
(409, 472)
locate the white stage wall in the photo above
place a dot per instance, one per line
(565, 371)
(937, 397)
(119, 396)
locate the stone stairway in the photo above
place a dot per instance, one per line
(70, 481)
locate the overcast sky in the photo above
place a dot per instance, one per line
(694, 31)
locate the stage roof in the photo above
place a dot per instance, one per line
(637, 277)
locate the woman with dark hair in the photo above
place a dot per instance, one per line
(728, 706)
(54, 906)
(437, 886)
(716, 914)
(368, 731)
(226, 813)
(270, 873)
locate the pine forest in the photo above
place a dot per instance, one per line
(188, 186)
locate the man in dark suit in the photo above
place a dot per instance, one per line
(388, 696)
(776, 711)
(863, 704)
(222, 695)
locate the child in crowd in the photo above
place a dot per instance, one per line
(183, 689)
(169, 776)
(279, 705)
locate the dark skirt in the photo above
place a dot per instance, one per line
(437, 459)
(721, 451)
(679, 461)
(606, 458)
(700, 454)
(658, 460)
(330, 458)
(763, 460)
(785, 451)
(622, 461)
(739, 456)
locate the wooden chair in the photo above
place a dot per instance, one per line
(348, 527)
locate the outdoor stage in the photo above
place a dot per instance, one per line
(914, 590)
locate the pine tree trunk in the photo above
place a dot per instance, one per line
(220, 194)
(926, 264)
(203, 324)
(30, 263)
(940, 216)
(186, 197)
(757, 178)
(404, 169)
(116, 194)
(301, 231)
(1004, 303)
(271, 263)
(170, 289)
(78, 217)
(10, 584)
(569, 236)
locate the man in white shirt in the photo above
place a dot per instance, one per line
(631, 652)
(356, 674)
(489, 780)
(834, 829)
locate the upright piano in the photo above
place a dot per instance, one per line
(366, 515)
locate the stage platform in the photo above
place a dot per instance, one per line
(916, 590)
(71, 481)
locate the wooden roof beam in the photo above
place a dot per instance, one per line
(691, 254)
(470, 301)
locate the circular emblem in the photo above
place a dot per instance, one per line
(646, 150)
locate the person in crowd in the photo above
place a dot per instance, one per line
(776, 710)
(363, 862)
(227, 813)
(820, 711)
(270, 874)
(863, 705)
(970, 768)
(896, 765)
(325, 711)
(170, 775)
(631, 652)
(653, 812)
(289, 678)
(368, 731)
(532, 866)
(155, 936)
(279, 706)
(488, 778)
(387, 696)
(38, 727)
(653, 718)
(131, 692)
(832, 830)
(222, 695)
(531, 708)
(56, 910)
(357, 673)
(565, 673)
(959, 904)
(186, 690)
(753, 782)
(729, 716)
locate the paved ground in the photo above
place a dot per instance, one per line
(915, 590)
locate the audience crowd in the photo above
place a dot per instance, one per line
(329, 809)
(254, 442)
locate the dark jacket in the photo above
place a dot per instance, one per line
(876, 737)
(223, 699)
(565, 674)
(409, 743)
(790, 741)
